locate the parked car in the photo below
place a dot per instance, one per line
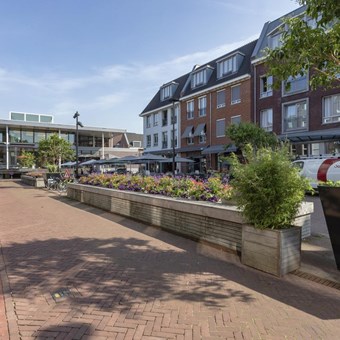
(319, 169)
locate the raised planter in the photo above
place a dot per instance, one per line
(276, 252)
(37, 182)
(212, 223)
(330, 200)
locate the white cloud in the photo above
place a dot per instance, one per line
(116, 90)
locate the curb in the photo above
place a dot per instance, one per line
(317, 279)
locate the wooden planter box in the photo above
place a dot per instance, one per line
(213, 223)
(276, 252)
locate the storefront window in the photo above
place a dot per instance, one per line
(27, 137)
(14, 136)
(38, 136)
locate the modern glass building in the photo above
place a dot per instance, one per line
(23, 131)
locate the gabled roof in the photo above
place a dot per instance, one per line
(244, 69)
(134, 137)
(269, 27)
(156, 102)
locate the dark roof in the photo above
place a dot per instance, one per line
(134, 137)
(269, 27)
(308, 136)
(156, 102)
(245, 68)
(183, 90)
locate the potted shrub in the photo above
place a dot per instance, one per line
(269, 191)
(330, 199)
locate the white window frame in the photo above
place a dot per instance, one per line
(266, 86)
(235, 101)
(233, 118)
(155, 139)
(295, 102)
(190, 113)
(148, 141)
(267, 127)
(275, 40)
(202, 106)
(227, 66)
(334, 116)
(155, 119)
(220, 120)
(218, 106)
(165, 140)
(166, 92)
(148, 121)
(199, 78)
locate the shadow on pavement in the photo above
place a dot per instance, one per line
(114, 272)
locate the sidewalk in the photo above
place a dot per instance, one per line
(72, 271)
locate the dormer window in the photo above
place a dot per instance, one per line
(201, 77)
(168, 90)
(275, 40)
(229, 65)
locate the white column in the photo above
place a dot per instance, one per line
(103, 146)
(7, 148)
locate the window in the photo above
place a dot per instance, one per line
(266, 119)
(155, 119)
(227, 66)
(174, 115)
(236, 94)
(236, 120)
(190, 109)
(295, 116)
(136, 144)
(220, 99)
(165, 118)
(174, 134)
(46, 119)
(32, 117)
(27, 136)
(266, 84)
(275, 41)
(148, 121)
(202, 137)
(199, 78)
(155, 139)
(331, 109)
(148, 141)
(190, 140)
(17, 116)
(295, 84)
(202, 106)
(164, 140)
(166, 92)
(220, 127)
(14, 136)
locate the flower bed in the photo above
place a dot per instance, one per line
(211, 190)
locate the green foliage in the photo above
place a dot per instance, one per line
(309, 48)
(52, 167)
(26, 159)
(330, 183)
(52, 148)
(249, 133)
(267, 189)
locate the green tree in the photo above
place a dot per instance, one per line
(53, 148)
(26, 159)
(249, 133)
(309, 45)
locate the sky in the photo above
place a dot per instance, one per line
(106, 59)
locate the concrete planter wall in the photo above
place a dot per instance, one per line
(213, 223)
(37, 182)
(277, 252)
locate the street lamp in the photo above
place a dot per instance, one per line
(75, 116)
(173, 121)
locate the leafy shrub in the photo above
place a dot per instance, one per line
(267, 188)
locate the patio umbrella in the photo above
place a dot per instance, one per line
(68, 164)
(177, 160)
(89, 162)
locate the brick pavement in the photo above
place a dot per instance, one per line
(71, 271)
